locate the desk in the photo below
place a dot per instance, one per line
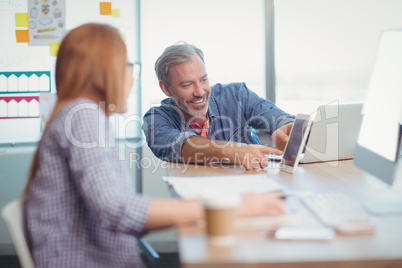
(256, 248)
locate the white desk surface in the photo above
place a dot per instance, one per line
(257, 248)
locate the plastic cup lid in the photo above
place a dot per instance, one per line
(215, 200)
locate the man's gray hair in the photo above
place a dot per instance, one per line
(175, 54)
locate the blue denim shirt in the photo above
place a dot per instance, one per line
(234, 112)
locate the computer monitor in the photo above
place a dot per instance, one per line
(379, 139)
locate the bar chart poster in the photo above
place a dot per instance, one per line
(47, 21)
(18, 107)
(19, 118)
(24, 82)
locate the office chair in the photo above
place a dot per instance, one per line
(13, 216)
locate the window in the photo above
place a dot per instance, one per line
(325, 49)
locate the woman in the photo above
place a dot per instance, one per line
(81, 208)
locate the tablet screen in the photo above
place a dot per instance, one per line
(295, 143)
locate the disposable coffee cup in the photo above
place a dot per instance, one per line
(220, 212)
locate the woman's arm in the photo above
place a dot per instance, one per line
(168, 213)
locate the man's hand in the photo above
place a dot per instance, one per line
(251, 156)
(198, 149)
(281, 136)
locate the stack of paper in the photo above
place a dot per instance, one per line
(197, 187)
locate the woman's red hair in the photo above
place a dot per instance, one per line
(91, 62)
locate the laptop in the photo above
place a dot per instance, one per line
(333, 135)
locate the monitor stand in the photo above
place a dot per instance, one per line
(382, 203)
(386, 201)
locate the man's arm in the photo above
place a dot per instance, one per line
(165, 133)
(265, 116)
(197, 149)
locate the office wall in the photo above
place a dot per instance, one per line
(20, 60)
(13, 173)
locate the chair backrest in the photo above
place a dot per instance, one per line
(13, 216)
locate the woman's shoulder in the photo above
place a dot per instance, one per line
(80, 111)
(81, 108)
(77, 118)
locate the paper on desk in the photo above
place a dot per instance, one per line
(197, 187)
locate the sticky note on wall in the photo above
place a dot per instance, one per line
(105, 8)
(21, 20)
(22, 36)
(116, 13)
(54, 48)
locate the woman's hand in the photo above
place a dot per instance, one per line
(256, 204)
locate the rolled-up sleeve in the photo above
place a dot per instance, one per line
(263, 114)
(165, 133)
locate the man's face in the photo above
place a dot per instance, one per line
(189, 87)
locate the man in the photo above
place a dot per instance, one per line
(202, 124)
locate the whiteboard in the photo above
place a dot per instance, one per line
(21, 57)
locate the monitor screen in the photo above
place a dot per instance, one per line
(378, 142)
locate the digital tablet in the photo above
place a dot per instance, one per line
(297, 140)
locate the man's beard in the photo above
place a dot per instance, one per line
(182, 106)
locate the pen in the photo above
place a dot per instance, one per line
(281, 195)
